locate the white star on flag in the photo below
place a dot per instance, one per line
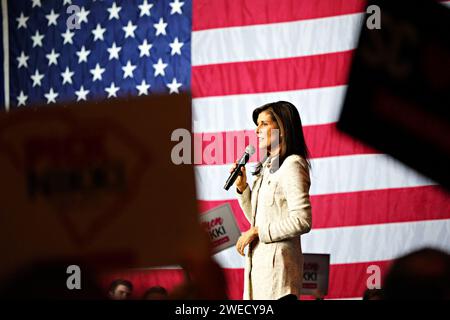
(176, 7)
(37, 39)
(51, 96)
(52, 18)
(21, 99)
(22, 60)
(22, 21)
(83, 15)
(67, 76)
(145, 8)
(82, 94)
(128, 70)
(52, 57)
(159, 68)
(83, 54)
(97, 72)
(173, 86)
(129, 29)
(37, 77)
(114, 51)
(37, 3)
(176, 47)
(144, 49)
(160, 27)
(68, 36)
(143, 88)
(114, 11)
(112, 90)
(98, 32)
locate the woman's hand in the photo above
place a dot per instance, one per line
(246, 238)
(241, 180)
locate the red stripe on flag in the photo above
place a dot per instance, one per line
(230, 13)
(209, 14)
(364, 207)
(235, 283)
(380, 206)
(143, 280)
(350, 280)
(314, 71)
(345, 280)
(326, 140)
(220, 148)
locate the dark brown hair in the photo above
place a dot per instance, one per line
(118, 282)
(292, 140)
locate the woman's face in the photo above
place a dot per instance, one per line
(266, 137)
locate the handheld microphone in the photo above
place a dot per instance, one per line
(249, 151)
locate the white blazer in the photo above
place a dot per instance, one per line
(279, 205)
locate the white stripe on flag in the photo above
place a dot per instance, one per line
(234, 112)
(377, 242)
(329, 175)
(5, 52)
(276, 40)
(364, 243)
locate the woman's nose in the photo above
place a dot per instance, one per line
(259, 129)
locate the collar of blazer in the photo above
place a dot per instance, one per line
(273, 163)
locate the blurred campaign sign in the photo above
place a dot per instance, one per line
(316, 272)
(97, 180)
(221, 226)
(398, 96)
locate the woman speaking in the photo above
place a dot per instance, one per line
(277, 206)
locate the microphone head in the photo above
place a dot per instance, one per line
(250, 150)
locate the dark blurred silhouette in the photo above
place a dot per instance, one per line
(398, 93)
(155, 293)
(204, 279)
(422, 274)
(46, 280)
(318, 295)
(120, 289)
(288, 297)
(373, 294)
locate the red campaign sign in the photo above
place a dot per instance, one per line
(315, 273)
(311, 266)
(309, 285)
(208, 225)
(220, 241)
(220, 224)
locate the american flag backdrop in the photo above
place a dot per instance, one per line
(235, 55)
(119, 48)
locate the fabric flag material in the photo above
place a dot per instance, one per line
(234, 56)
(78, 50)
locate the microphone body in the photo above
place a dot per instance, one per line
(249, 151)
